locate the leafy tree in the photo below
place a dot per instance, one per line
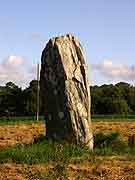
(30, 98)
(113, 99)
(120, 107)
(10, 99)
(131, 99)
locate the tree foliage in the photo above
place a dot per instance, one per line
(106, 99)
(15, 101)
(113, 99)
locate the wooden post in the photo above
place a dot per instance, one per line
(131, 141)
(38, 88)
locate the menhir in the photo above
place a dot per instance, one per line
(65, 91)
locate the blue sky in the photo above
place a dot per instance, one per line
(106, 30)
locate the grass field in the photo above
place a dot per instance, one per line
(113, 118)
(95, 118)
(25, 154)
(19, 120)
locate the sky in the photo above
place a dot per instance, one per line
(105, 28)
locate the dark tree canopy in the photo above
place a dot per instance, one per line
(106, 99)
(113, 99)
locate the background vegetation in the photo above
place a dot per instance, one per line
(17, 102)
(113, 99)
(110, 99)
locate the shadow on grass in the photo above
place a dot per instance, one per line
(43, 151)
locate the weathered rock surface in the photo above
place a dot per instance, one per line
(65, 91)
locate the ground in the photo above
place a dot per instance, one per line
(107, 167)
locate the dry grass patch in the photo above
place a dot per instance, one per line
(110, 168)
(92, 167)
(124, 128)
(18, 134)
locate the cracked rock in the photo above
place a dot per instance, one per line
(65, 91)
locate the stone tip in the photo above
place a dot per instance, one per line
(68, 35)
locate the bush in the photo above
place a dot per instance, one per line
(104, 140)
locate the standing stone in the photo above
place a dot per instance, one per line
(65, 91)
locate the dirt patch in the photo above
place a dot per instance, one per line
(11, 172)
(22, 133)
(120, 168)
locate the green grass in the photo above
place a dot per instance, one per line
(95, 118)
(113, 118)
(44, 151)
(19, 120)
(41, 151)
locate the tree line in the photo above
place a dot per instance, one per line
(113, 99)
(17, 102)
(105, 99)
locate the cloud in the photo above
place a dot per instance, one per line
(15, 69)
(36, 35)
(15, 60)
(118, 71)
